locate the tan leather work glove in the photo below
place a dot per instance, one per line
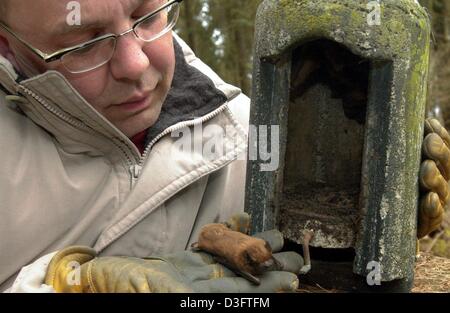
(185, 271)
(434, 176)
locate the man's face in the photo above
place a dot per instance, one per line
(129, 91)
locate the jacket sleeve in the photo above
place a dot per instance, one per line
(31, 277)
(235, 173)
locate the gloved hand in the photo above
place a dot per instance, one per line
(433, 177)
(185, 271)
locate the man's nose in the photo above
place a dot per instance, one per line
(129, 60)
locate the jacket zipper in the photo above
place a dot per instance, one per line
(135, 169)
(147, 150)
(179, 126)
(77, 124)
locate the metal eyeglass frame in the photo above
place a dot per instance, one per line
(60, 53)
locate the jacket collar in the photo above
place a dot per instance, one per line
(192, 95)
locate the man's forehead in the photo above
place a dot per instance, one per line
(53, 14)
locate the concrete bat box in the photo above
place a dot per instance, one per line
(347, 91)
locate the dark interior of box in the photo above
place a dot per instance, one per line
(326, 130)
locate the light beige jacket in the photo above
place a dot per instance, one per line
(68, 176)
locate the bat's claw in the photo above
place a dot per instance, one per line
(194, 247)
(307, 236)
(305, 269)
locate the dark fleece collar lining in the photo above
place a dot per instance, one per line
(191, 95)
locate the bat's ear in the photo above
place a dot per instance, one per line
(255, 253)
(251, 255)
(267, 246)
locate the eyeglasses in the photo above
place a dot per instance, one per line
(97, 52)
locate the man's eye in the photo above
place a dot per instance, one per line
(137, 16)
(87, 48)
(79, 40)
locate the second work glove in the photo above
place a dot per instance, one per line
(77, 269)
(433, 178)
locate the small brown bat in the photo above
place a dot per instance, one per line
(246, 255)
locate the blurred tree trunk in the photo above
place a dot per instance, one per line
(221, 34)
(189, 16)
(438, 104)
(242, 62)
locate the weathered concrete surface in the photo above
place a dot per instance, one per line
(322, 171)
(399, 51)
